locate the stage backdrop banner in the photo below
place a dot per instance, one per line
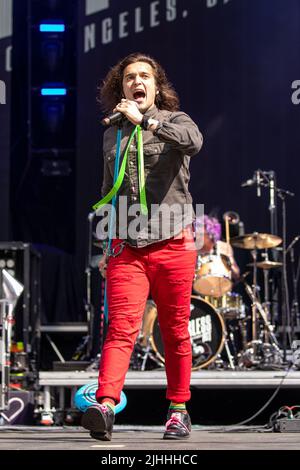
(5, 74)
(235, 66)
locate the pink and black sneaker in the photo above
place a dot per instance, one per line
(178, 425)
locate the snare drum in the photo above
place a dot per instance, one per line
(230, 305)
(213, 275)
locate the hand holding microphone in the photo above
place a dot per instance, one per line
(126, 108)
(112, 119)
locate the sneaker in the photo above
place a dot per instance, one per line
(99, 420)
(178, 425)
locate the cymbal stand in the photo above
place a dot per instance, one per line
(266, 304)
(254, 302)
(263, 315)
(228, 352)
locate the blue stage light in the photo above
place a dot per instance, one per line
(52, 28)
(53, 91)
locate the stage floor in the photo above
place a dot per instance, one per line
(134, 438)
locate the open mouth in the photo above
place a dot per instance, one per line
(139, 96)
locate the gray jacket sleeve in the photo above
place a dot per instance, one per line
(107, 180)
(108, 141)
(181, 132)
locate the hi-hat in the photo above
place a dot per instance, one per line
(266, 264)
(254, 240)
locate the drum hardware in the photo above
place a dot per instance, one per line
(296, 354)
(228, 352)
(257, 241)
(233, 311)
(233, 225)
(262, 355)
(141, 355)
(266, 349)
(143, 349)
(268, 179)
(266, 264)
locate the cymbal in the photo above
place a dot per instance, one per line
(254, 240)
(266, 264)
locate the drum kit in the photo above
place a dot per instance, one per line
(225, 332)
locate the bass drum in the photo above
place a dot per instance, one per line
(207, 331)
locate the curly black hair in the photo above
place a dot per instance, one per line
(111, 90)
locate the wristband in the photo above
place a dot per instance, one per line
(145, 123)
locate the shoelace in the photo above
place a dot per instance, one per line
(175, 420)
(103, 408)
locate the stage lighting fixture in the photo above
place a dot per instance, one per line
(53, 115)
(51, 57)
(53, 81)
(53, 91)
(6, 262)
(52, 28)
(56, 168)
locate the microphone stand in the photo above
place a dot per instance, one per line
(88, 273)
(272, 206)
(295, 314)
(268, 179)
(285, 308)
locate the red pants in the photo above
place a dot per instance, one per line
(166, 269)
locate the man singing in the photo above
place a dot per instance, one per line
(159, 259)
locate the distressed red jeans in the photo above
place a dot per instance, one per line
(166, 269)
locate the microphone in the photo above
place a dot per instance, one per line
(258, 192)
(112, 119)
(248, 183)
(292, 243)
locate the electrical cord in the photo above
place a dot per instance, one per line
(232, 427)
(286, 301)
